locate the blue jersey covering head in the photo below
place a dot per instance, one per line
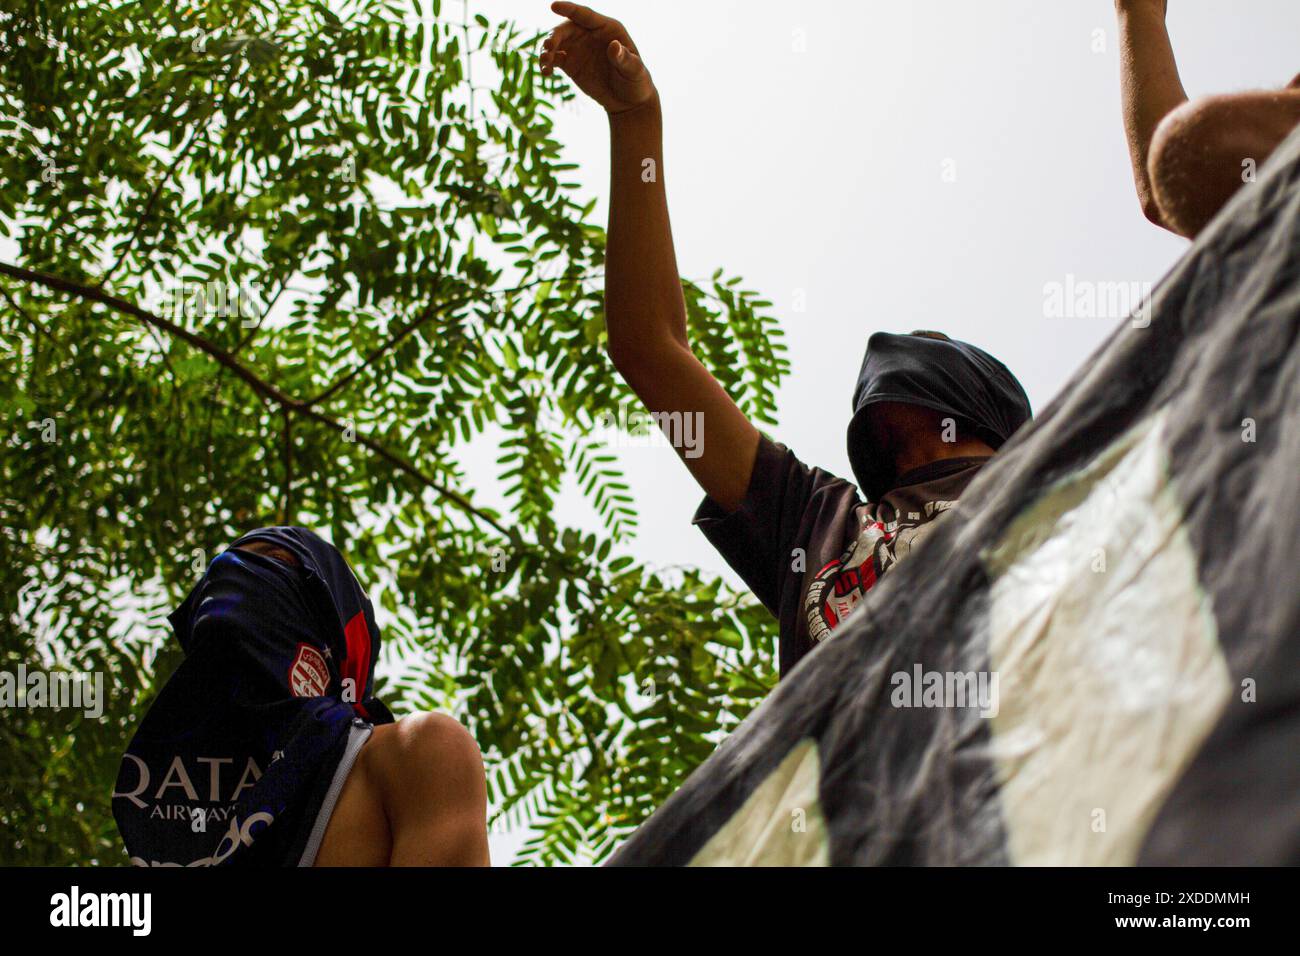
(241, 757)
(947, 376)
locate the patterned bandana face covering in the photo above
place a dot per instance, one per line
(953, 378)
(240, 595)
(234, 761)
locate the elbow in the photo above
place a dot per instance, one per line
(620, 355)
(625, 357)
(634, 360)
(1150, 208)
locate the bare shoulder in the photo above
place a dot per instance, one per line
(419, 738)
(424, 760)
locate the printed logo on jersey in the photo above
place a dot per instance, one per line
(308, 675)
(836, 589)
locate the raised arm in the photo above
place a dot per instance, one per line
(1150, 87)
(645, 312)
(1190, 157)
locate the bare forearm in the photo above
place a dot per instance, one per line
(1150, 86)
(644, 308)
(645, 313)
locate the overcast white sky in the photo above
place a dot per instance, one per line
(821, 170)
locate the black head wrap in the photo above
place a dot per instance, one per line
(950, 377)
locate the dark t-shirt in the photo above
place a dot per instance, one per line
(809, 548)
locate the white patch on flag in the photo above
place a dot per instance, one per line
(1111, 672)
(780, 823)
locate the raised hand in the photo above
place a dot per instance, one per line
(1153, 6)
(599, 56)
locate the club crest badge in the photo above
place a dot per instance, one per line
(308, 675)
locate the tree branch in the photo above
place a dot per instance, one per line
(260, 386)
(257, 327)
(4, 290)
(392, 342)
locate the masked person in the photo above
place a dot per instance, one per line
(267, 747)
(928, 411)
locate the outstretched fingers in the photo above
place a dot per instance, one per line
(582, 16)
(553, 47)
(561, 35)
(550, 60)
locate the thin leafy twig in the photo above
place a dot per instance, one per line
(32, 320)
(430, 312)
(147, 214)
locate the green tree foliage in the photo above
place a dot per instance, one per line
(288, 261)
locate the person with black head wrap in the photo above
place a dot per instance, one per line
(267, 745)
(928, 411)
(931, 371)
